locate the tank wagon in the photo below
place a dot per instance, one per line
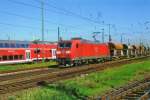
(12, 52)
(79, 51)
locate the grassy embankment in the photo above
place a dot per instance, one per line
(90, 85)
(4, 68)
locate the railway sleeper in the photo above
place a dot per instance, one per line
(140, 92)
(133, 95)
(130, 98)
(145, 96)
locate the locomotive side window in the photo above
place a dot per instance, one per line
(61, 45)
(77, 45)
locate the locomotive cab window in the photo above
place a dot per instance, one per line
(65, 45)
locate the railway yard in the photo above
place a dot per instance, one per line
(75, 69)
(14, 82)
(75, 50)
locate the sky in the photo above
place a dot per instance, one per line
(21, 19)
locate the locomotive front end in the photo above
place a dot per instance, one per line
(64, 53)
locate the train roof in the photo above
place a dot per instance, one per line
(14, 41)
(25, 42)
(20, 44)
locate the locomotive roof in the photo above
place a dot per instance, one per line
(84, 40)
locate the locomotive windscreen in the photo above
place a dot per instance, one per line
(65, 44)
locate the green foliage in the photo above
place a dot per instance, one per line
(26, 66)
(41, 94)
(98, 83)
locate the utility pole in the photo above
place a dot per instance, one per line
(103, 40)
(128, 42)
(109, 30)
(42, 15)
(8, 36)
(110, 39)
(121, 40)
(58, 34)
(42, 27)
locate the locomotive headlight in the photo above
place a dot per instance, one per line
(67, 52)
(58, 52)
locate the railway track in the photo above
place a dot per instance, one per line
(24, 81)
(138, 90)
(28, 73)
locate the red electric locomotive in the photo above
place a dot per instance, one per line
(24, 51)
(78, 51)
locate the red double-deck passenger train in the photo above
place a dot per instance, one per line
(24, 51)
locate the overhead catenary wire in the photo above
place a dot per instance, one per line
(31, 18)
(65, 12)
(70, 12)
(36, 19)
(22, 26)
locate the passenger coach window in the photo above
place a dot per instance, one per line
(21, 57)
(1, 45)
(22, 45)
(4, 57)
(12, 45)
(18, 45)
(10, 58)
(6, 45)
(16, 57)
(26, 45)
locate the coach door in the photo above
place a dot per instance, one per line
(28, 54)
(53, 53)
